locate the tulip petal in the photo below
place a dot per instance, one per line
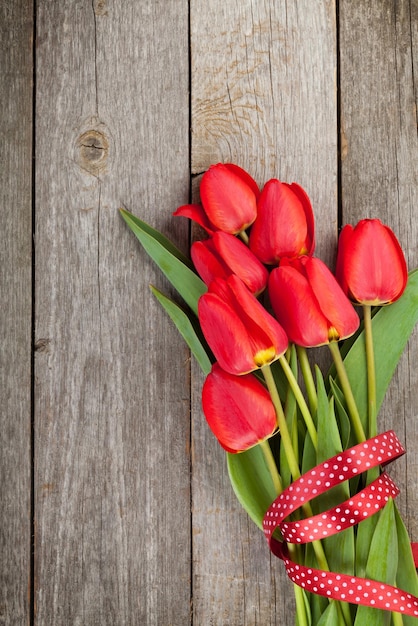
(281, 227)
(264, 332)
(207, 262)
(310, 221)
(343, 247)
(374, 265)
(225, 334)
(332, 301)
(245, 176)
(229, 202)
(241, 333)
(241, 261)
(296, 307)
(196, 213)
(238, 409)
(223, 255)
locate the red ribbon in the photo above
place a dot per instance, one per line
(379, 450)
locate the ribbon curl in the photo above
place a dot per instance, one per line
(379, 450)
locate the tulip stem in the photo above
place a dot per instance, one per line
(300, 606)
(306, 414)
(371, 370)
(271, 464)
(348, 392)
(291, 457)
(397, 619)
(308, 378)
(281, 422)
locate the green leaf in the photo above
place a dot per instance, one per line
(318, 603)
(330, 616)
(308, 455)
(382, 564)
(280, 379)
(329, 442)
(290, 411)
(135, 222)
(170, 260)
(343, 419)
(186, 329)
(252, 483)
(285, 473)
(303, 609)
(392, 327)
(364, 537)
(406, 575)
(339, 548)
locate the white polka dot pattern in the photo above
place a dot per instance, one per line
(360, 458)
(379, 450)
(349, 513)
(352, 589)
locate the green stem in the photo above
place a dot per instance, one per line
(344, 614)
(348, 393)
(308, 378)
(371, 371)
(281, 421)
(397, 619)
(300, 606)
(295, 471)
(306, 414)
(290, 455)
(271, 464)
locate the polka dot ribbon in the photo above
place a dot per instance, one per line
(379, 450)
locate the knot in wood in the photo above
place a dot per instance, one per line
(100, 7)
(93, 149)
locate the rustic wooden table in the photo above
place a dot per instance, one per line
(116, 507)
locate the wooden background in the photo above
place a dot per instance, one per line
(115, 502)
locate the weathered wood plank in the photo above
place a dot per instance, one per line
(16, 62)
(379, 50)
(112, 494)
(112, 489)
(264, 97)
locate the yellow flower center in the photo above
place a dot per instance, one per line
(333, 335)
(263, 357)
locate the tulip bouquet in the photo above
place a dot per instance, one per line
(305, 456)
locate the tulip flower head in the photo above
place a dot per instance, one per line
(223, 255)
(229, 200)
(242, 335)
(371, 266)
(285, 224)
(238, 409)
(309, 303)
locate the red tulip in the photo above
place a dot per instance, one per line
(196, 213)
(241, 333)
(371, 266)
(238, 409)
(223, 255)
(285, 224)
(310, 304)
(229, 198)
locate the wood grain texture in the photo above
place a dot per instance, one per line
(264, 97)
(16, 31)
(379, 51)
(112, 542)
